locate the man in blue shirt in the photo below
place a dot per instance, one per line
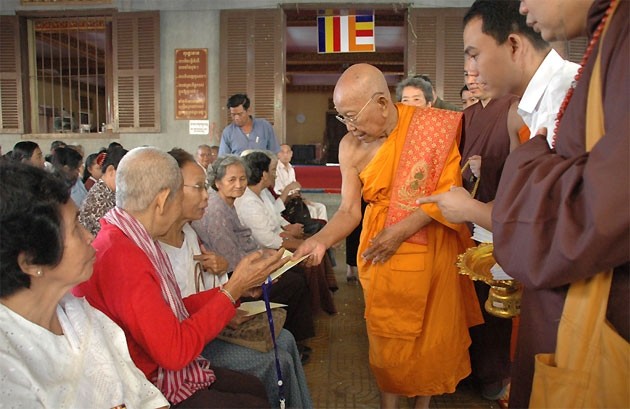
(246, 132)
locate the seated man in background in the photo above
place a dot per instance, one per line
(285, 175)
(206, 155)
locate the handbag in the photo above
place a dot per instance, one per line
(255, 333)
(591, 365)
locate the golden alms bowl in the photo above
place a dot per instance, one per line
(504, 298)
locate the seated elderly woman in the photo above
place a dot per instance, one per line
(221, 231)
(56, 351)
(181, 246)
(256, 209)
(133, 283)
(101, 198)
(28, 152)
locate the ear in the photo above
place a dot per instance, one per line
(161, 199)
(515, 42)
(26, 266)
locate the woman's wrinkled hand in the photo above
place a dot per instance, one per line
(253, 270)
(211, 261)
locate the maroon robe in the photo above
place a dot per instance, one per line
(486, 134)
(560, 217)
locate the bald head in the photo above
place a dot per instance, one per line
(142, 174)
(360, 82)
(364, 103)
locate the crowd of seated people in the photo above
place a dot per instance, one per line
(257, 210)
(221, 231)
(163, 346)
(181, 244)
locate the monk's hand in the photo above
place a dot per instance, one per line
(314, 248)
(452, 204)
(383, 245)
(542, 131)
(475, 165)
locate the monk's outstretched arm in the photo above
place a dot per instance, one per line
(346, 219)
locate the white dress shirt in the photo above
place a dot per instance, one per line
(545, 92)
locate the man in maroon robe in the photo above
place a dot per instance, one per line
(562, 215)
(487, 135)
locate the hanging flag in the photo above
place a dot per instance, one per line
(345, 34)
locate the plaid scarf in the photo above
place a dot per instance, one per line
(175, 385)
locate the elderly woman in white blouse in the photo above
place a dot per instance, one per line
(56, 351)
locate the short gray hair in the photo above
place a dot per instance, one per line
(142, 174)
(217, 170)
(419, 83)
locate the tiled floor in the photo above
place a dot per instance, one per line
(338, 373)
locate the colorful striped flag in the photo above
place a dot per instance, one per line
(345, 34)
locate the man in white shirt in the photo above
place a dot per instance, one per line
(285, 175)
(519, 62)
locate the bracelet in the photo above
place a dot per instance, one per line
(228, 295)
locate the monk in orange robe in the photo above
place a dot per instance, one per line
(418, 309)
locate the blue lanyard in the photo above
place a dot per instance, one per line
(266, 288)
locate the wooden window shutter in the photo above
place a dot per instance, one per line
(136, 46)
(435, 48)
(251, 63)
(11, 106)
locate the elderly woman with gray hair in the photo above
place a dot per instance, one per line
(134, 284)
(415, 91)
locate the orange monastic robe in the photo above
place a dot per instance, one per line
(418, 308)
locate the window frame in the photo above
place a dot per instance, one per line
(144, 75)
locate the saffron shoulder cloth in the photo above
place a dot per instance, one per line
(429, 139)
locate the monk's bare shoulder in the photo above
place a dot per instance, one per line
(355, 154)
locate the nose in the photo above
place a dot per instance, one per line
(350, 126)
(523, 8)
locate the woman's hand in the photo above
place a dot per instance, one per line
(253, 270)
(291, 243)
(212, 262)
(296, 230)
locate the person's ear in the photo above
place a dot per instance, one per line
(515, 42)
(27, 267)
(161, 199)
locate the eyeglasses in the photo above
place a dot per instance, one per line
(205, 186)
(353, 119)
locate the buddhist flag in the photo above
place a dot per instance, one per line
(345, 34)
